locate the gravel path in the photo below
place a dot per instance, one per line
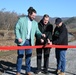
(70, 67)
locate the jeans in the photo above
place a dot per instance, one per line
(61, 59)
(28, 53)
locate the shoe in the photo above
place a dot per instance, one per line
(37, 72)
(58, 71)
(62, 73)
(17, 73)
(45, 71)
(28, 73)
(59, 74)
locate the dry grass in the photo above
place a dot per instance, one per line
(72, 30)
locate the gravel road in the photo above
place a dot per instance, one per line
(70, 66)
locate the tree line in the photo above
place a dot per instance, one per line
(8, 20)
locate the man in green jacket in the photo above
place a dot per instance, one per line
(25, 31)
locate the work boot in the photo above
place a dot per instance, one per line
(37, 72)
(62, 73)
(17, 73)
(45, 71)
(58, 71)
(28, 73)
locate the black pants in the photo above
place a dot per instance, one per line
(46, 53)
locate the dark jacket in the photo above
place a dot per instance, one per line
(60, 36)
(45, 29)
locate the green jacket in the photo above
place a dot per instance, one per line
(21, 30)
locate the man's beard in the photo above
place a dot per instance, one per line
(31, 19)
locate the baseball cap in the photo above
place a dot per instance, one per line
(58, 20)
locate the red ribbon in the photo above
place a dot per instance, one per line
(37, 46)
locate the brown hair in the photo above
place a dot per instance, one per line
(31, 10)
